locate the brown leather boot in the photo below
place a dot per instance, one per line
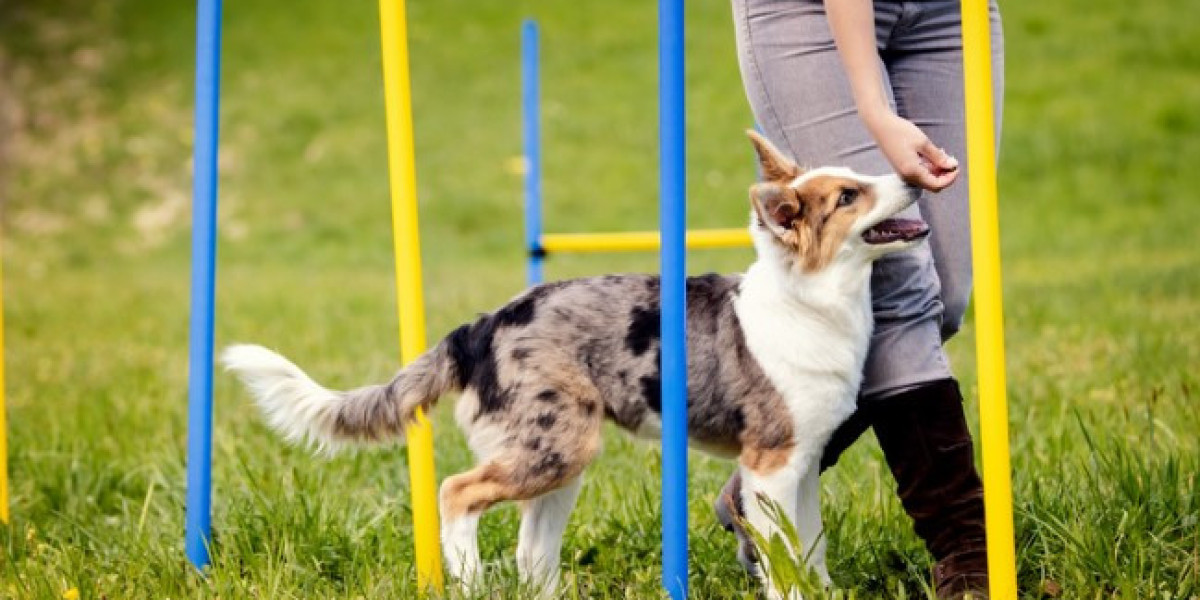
(924, 436)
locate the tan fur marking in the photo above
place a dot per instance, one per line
(807, 220)
(518, 479)
(825, 225)
(764, 461)
(473, 491)
(769, 436)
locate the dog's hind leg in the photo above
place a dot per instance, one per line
(464, 498)
(534, 450)
(543, 522)
(549, 483)
(558, 436)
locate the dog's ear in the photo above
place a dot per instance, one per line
(777, 205)
(775, 166)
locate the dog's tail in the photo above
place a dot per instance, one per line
(303, 411)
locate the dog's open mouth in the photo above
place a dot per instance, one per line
(896, 230)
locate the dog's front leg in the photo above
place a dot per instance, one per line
(809, 526)
(543, 522)
(779, 487)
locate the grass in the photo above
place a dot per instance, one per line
(1102, 292)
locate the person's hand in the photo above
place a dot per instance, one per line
(916, 159)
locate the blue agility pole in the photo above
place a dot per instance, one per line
(533, 150)
(204, 229)
(673, 205)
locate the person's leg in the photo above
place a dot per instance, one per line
(922, 429)
(800, 95)
(797, 87)
(924, 65)
(924, 437)
(798, 90)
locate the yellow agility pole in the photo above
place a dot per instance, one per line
(634, 241)
(409, 303)
(989, 309)
(3, 409)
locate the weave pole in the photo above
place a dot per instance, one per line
(3, 409)
(409, 302)
(531, 126)
(673, 210)
(198, 524)
(989, 308)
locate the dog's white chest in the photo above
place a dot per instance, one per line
(813, 359)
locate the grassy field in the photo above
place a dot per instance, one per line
(1099, 214)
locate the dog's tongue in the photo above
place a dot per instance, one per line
(891, 230)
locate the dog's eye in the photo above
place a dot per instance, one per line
(847, 198)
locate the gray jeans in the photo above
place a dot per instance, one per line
(802, 100)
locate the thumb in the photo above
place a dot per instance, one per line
(938, 157)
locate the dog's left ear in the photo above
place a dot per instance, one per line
(777, 206)
(775, 166)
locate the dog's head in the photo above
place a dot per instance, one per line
(829, 215)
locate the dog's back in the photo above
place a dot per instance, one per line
(604, 331)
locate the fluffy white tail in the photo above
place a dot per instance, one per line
(304, 412)
(300, 409)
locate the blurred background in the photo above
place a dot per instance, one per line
(1099, 207)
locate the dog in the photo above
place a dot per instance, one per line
(775, 358)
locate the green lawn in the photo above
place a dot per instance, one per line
(1099, 212)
